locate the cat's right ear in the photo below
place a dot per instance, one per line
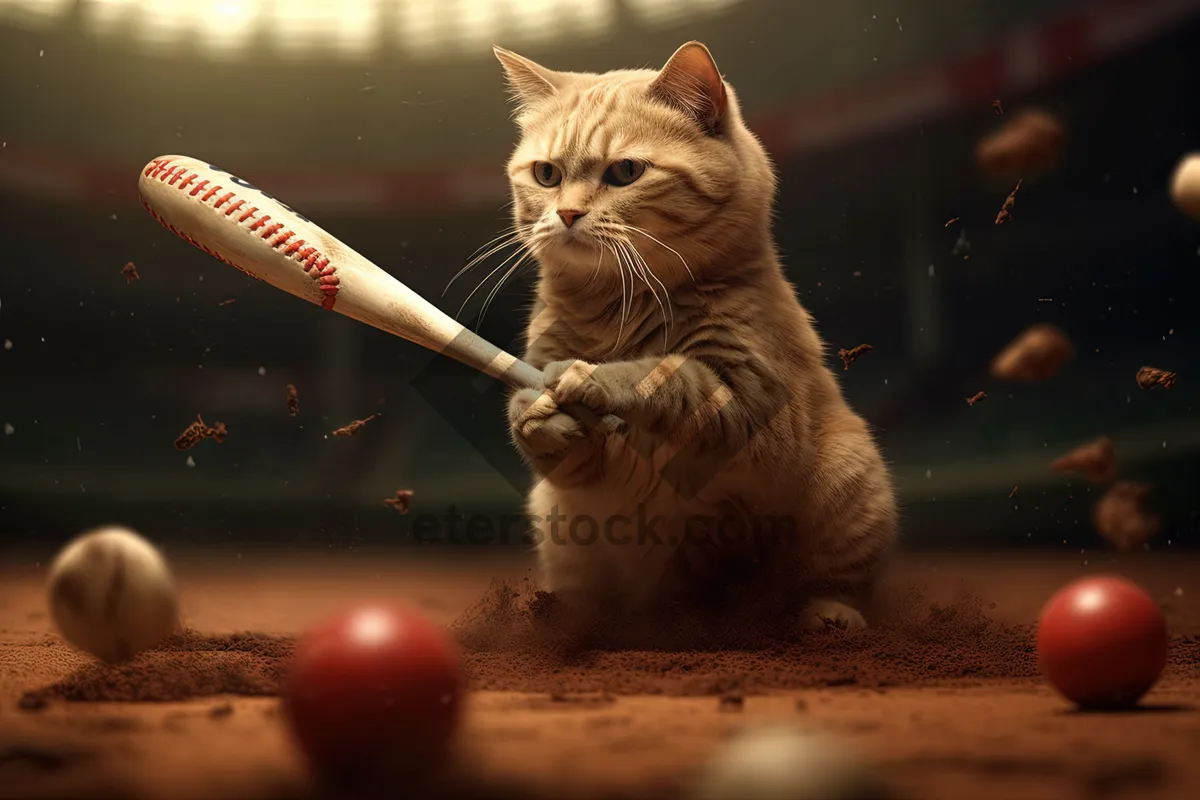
(528, 81)
(691, 82)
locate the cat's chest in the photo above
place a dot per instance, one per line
(571, 347)
(608, 346)
(614, 334)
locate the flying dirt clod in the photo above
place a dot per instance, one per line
(355, 426)
(197, 432)
(1123, 517)
(1149, 377)
(1037, 354)
(853, 354)
(1096, 461)
(1030, 142)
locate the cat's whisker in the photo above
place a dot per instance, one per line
(510, 238)
(626, 301)
(644, 272)
(609, 245)
(668, 310)
(496, 289)
(487, 277)
(708, 248)
(512, 230)
(647, 270)
(596, 269)
(665, 246)
(532, 264)
(478, 260)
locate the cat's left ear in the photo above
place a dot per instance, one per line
(528, 80)
(690, 81)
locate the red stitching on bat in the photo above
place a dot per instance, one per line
(193, 242)
(310, 259)
(155, 166)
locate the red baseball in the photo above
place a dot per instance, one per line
(374, 690)
(1102, 642)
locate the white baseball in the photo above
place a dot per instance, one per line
(1185, 186)
(112, 594)
(785, 762)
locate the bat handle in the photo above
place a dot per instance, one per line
(468, 348)
(521, 375)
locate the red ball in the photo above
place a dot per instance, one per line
(1102, 642)
(376, 690)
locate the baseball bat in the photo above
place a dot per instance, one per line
(248, 229)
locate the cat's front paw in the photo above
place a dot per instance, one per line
(823, 614)
(578, 383)
(543, 433)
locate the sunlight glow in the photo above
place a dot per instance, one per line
(228, 25)
(673, 11)
(477, 22)
(34, 12)
(423, 29)
(592, 18)
(104, 16)
(314, 27)
(535, 21)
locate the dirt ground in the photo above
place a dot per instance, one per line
(953, 711)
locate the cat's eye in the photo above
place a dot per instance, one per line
(623, 173)
(547, 174)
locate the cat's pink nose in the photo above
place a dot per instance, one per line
(569, 215)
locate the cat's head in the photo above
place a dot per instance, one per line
(656, 163)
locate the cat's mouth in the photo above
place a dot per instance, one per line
(573, 241)
(579, 243)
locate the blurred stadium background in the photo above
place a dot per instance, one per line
(387, 122)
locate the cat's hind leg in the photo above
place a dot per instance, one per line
(845, 574)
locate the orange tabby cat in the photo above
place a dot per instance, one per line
(647, 205)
